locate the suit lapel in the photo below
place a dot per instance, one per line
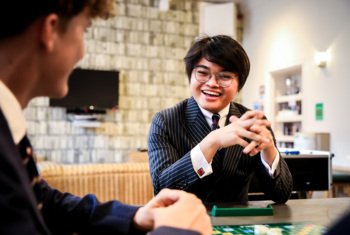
(229, 162)
(15, 159)
(233, 111)
(198, 127)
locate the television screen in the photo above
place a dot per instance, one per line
(90, 90)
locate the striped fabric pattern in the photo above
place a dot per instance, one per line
(173, 134)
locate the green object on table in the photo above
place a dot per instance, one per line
(241, 211)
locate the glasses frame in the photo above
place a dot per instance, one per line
(216, 75)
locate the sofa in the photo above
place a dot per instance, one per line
(128, 182)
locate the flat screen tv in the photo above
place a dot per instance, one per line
(90, 91)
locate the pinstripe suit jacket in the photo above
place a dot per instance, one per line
(176, 131)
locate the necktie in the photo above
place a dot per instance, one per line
(215, 118)
(26, 152)
(217, 162)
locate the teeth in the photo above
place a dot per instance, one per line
(211, 93)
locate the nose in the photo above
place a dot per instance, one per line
(212, 81)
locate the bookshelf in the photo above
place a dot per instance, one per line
(287, 104)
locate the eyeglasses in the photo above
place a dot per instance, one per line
(224, 79)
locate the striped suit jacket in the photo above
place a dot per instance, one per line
(174, 132)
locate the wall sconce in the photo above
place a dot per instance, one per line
(321, 59)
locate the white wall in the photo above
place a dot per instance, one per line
(217, 18)
(283, 33)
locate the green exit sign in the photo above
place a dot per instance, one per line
(319, 111)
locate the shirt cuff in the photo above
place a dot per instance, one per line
(199, 162)
(275, 162)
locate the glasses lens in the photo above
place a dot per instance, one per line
(202, 74)
(224, 79)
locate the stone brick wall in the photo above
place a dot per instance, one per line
(147, 46)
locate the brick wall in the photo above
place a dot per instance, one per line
(147, 46)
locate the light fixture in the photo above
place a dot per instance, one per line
(321, 59)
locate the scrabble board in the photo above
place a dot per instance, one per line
(278, 229)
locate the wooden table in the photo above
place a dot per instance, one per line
(319, 211)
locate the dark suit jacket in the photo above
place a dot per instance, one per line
(62, 213)
(176, 131)
(340, 227)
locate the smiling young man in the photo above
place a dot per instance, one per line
(216, 164)
(40, 43)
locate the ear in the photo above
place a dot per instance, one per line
(49, 31)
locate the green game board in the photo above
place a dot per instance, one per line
(285, 228)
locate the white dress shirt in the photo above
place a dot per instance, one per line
(13, 113)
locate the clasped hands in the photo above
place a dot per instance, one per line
(174, 208)
(250, 131)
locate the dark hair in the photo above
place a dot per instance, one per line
(17, 15)
(221, 50)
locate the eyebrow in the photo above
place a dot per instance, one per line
(201, 66)
(206, 67)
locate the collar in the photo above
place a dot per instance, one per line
(223, 114)
(13, 113)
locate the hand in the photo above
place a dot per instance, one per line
(174, 208)
(144, 217)
(237, 132)
(254, 146)
(268, 148)
(248, 126)
(187, 212)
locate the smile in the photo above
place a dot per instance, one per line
(211, 93)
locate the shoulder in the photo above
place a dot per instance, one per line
(341, 226)
(237, 109)
(240, 107)
(177, 110)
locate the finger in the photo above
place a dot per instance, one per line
(260, 115)
(256, 128)
(233, 119)
(264, 133)
(254, 152)
(259, 122)
(253, 136)
(249, 114)
(250, 147)
(262, 122)
(167, 197)
(248, 122)
(242, 142)
(252, 114)
(258, 148)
